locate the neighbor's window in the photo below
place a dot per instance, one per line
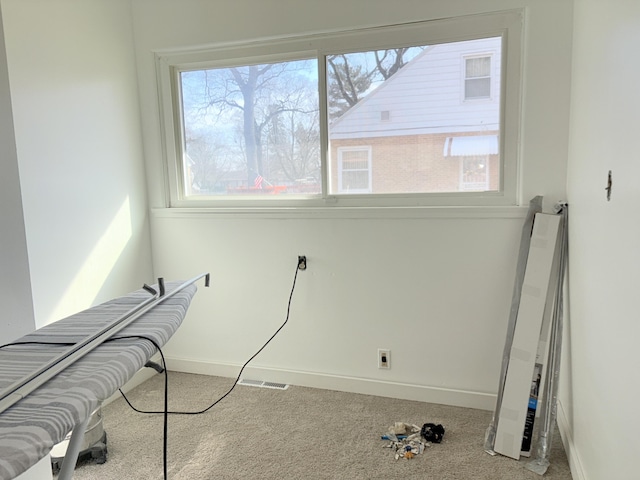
(477, 156)
(474, 174)
(318, 118)
(477, 78)
(354, 170)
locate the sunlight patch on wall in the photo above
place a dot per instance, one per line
(85, 286)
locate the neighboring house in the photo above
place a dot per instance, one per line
(216, 182)
(432, 127)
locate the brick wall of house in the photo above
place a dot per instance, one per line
(412, 164)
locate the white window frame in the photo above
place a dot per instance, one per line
(341, 188)
(508, 24)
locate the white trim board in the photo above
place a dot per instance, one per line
(381, 388)
(348, 213)
(566, 433)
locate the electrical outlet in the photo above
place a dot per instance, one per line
(302, 262)
(384, 358)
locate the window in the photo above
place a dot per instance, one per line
(354, 170)
(478, 159)
(307, 120)
(474, 173)
(477, 78)
(251, 129)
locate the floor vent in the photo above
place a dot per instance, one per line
(261, 384)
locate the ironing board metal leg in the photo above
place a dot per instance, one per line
(73, 450)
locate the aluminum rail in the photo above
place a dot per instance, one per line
(535, 206)
(549, 410)
(23, 387)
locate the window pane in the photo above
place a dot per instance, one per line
(407, 106)
(477, 88)
(353, 180)
(355, 159)
(251, 130)
(478, 67)
(355, 165)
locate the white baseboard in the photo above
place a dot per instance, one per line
(445, 396)
(566, 433)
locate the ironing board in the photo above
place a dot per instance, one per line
(31, 427)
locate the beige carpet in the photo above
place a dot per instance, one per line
(298, 433)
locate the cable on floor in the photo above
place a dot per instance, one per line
(165, 412)
(241, 369)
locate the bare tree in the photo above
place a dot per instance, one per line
(351, 75)
(209, 161)
(294, 141)
(257, 91)
(390, 61)
(346, 84)
(274, 107)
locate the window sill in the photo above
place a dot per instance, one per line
(503, 212)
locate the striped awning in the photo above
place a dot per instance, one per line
(471, 146)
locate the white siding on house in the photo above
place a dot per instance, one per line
(427, 96)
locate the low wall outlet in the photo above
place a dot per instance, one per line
(384, 358)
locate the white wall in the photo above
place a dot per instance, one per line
(600, 389)
(15, 285)
(74, 91)
(432, 285)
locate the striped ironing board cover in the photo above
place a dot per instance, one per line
(30, 428)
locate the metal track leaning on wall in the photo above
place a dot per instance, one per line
(549, 410)
(535, 206)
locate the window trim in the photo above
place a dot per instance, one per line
(508, 24)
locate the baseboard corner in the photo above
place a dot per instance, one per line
(566, 434)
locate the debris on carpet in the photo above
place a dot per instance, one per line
(408, 440)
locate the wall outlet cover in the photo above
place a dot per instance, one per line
(384, 358)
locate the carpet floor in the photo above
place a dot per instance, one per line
(297, 433)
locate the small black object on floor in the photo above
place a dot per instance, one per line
(432, 433)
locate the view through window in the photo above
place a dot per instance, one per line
(411, 120)
(251, 129)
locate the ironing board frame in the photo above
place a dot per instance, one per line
(26, 385)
